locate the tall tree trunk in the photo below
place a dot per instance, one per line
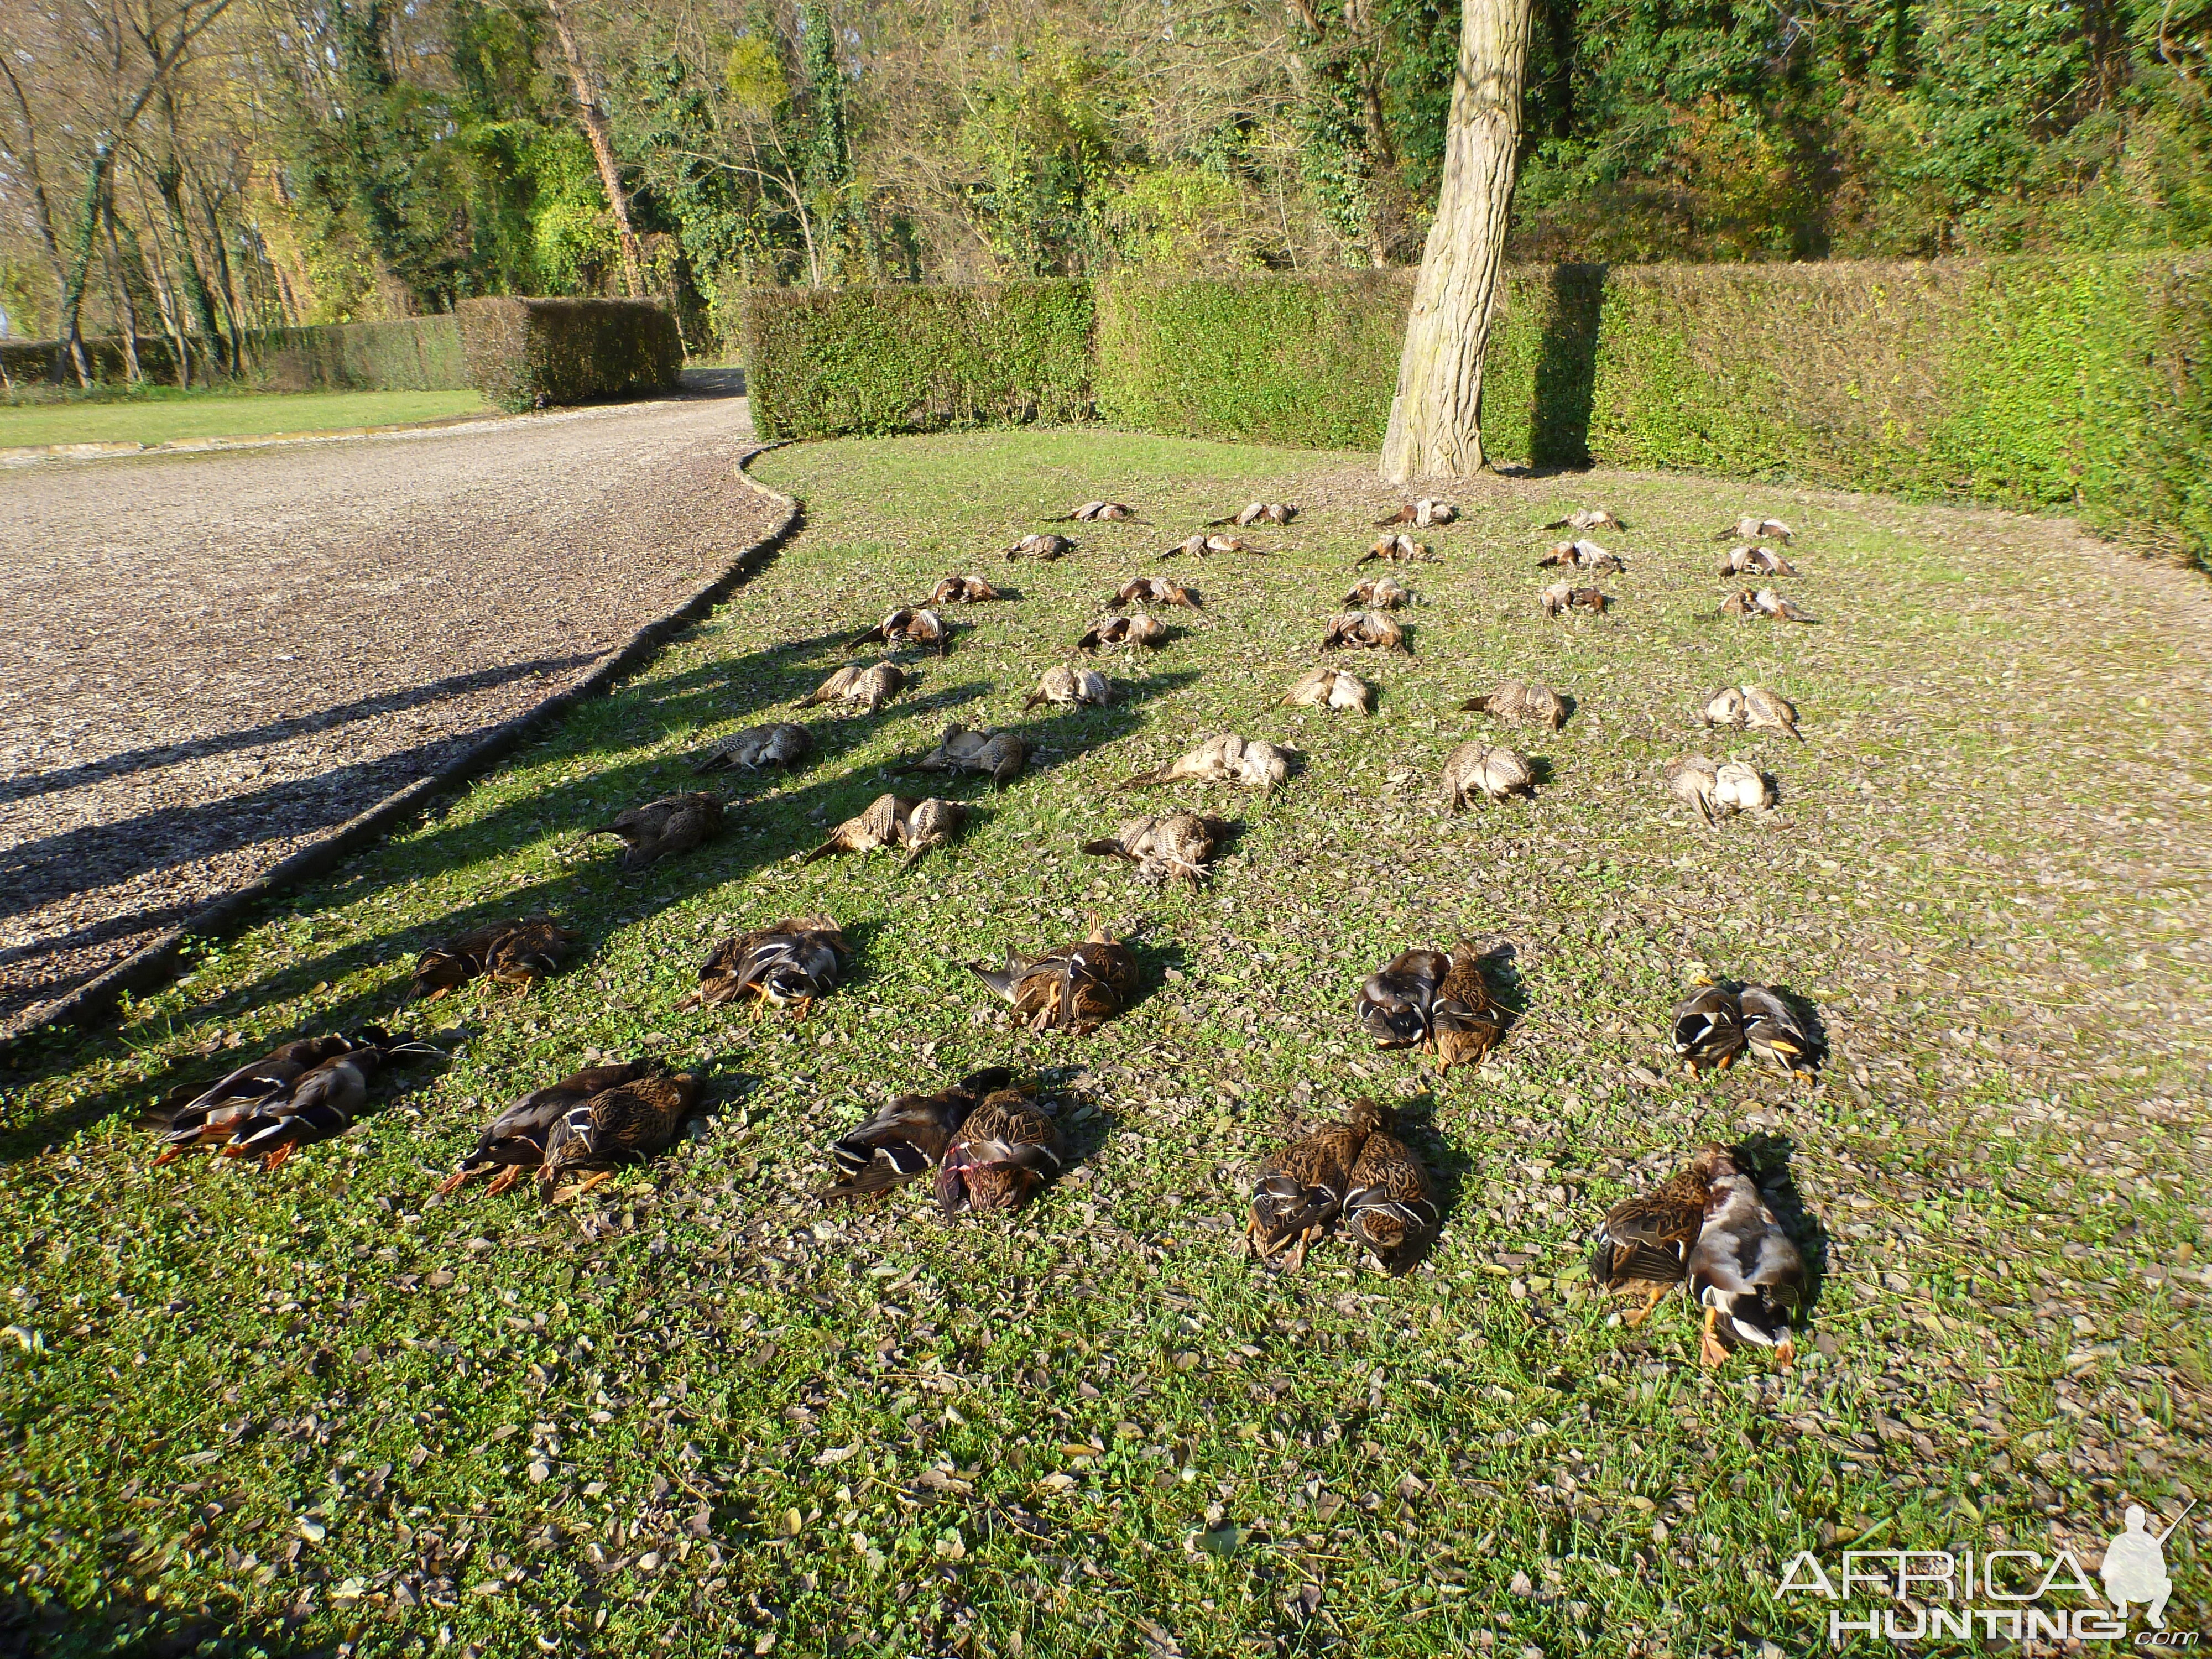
(168, 178)
(1436, 419)
(119, 274)
(595, 128)
(41, 210)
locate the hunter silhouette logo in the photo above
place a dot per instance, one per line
(2135, 1567)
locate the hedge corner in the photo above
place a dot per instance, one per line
(529, 353)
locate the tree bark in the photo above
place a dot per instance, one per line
(597, 130)
(1436, 419)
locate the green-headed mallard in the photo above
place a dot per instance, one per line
(517, 953)
(786, 743)
(1225, 758)
(1171, 848)
(617, 1127)
(513, 1143)
(788, 964)
(1478, 770)
(1744, 1270)
(1641, 1248)
(1300, 1190)
(904, 1140)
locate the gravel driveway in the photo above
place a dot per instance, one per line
(210, 657)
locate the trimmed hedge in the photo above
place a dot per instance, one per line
(916, 358)
(524, 354)
(413, 353)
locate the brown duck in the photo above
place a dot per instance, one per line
(1763, 602)
(1392, 1205)
(517, 953)
(1584, 520)
(1465, 1020)
(1225, 758)
(870, 687)
(964, 590)
(785, 743)
(1005, 1149)
(791, 963)
(1154, 590)
(513, 1144)
(1523, 702)
(618, 1126)
(1065, 685)
(904, 1140)
(1300, 1190)
(1420, 514)
(1583, 555)
(1043, 546)
(215, 1115)
(1366, 630)
(1378, 593)
(1754, 562)
(908, 625)
(1331, 687)
(1173, 847)
(1139, 630)
(1277, 513)
(1099, 512)
(1479, 770)
(1753, 528)
(1077, 987)
(895, 821)
(999, 755)
(1643, 1246)
(1744, 1270)
(1397, 550)
(662, 829)
(1562, 597)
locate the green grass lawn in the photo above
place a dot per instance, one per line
(699, 1413)
(158, 418)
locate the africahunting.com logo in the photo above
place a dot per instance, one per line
(2012, 1596)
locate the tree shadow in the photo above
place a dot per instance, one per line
(1566, 369)
(1766, 1158)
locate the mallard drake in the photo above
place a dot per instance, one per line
(907, 625)
(895, 821)
(1744, 1270)
(1765, 709)
(1562, 597)
(904, 1140)
(1763, 602)
(963, 590)
(1077, 987)
(1465, 1021)
(997, 755)
(517, 953)
(1396, 1004)
(1585, 520)
(1378, 593)
(1139, 630)
(1708, 1028)
(618, 1126)
(1694, 781)
(786, 742)
(1392, 1205)
(214, 1114)
(1643, 1246)
(790, 964)
(319, 1104)
(1259, 513)
(1397, 550)
(1492, 772)
(1099, 512)
(1366, 630)
(1226, 759)
(1522, 702)
(1005, 1149)
(1154, 590)
(1065, 685)
(1421, 514)
(513, 1143)
(1753, 528)
(1754, 562)
(661, 829)
(1299, 1191)
(1583, 555)
(1174, 847)
(1331, 687)
(872, 686)
(1739, 787)
(1041, 546)
(1774, 1032)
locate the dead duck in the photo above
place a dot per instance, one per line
(1396, 1002)
(785, 743)
(1583, 555)
(1763, 602)
(1154, 590)
(1490, 772)
(1066, 686)
(1754, 562)
(1378, 593)
(964, 590)
(518, 953)
(513, 1143)
(214, 1114)
(318, 1104)
(1278, 513)
(1708, 1028)
(895, 821)
(1562, 597)
(1174, 846)
(1465, 1020)
(1004, 1150)
(905, 1141)
(1397, 550)
(1585, 520)
(791, 963)
(1099, 512)
(1075, 988)
(1775, 1033)
(1421, 514)
(872, 688)
(1765, 709)
(999, 755)
(1225, 758)
(1524, 702)
(617, 1127)
(1205, 546)
(1139, 630)
(908, 625)
(1392, 1206)
(1643, 1246)
(662, 829)
(1753, 528)
(1739, 787)
(1366, 630)
(1042, 546)
(1744, 1270)
(1694, 781)
(1299, 1191)
(1331, 687)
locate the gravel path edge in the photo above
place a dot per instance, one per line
(154, 961)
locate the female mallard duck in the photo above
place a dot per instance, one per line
(320, 1102)
(895, 821)
(1397, 550)
(1331, 687)
(1139, 630)
(1366, 630)
(1581, 556)
(1377, 593)
(789, 964)
(1154, 590)
(1774, 1032)
(1744, 1270)
(1420, 514)
(1465, 1021)
(1765, 709)
(1585, 521)
(1064, 685)
(1099, 512)
(1045, 547)
(1174, 848)
(963, 590)
(662, 829)
(1225, 758)
(1763, 602)
(1477, 769)
(1753, 528)
(514, 1142)
(1275, 512)
(615, 1127)
(905, 1139)
(1739, 787)
(1754, 562)
(907, 625)
(1077, 987)
(215, 1113)
(1300, 1190)
(1396, 1002)
(1694, 781)
(517, 953)
(1005, 1149)
(997, 755)
(1392, 1205)
(1531, 704)
(1561, 597)
(1708, 1027)
(784, 744)
(870, 687)
(1643, 1246)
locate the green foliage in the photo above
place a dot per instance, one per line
(413, 353)
(917, 359)
(1039, 140)
(526, 354)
